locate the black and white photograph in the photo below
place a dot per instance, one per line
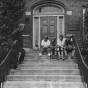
(43, 43)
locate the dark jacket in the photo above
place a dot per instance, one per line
(69, 42)
(53, 42)
(18, 36)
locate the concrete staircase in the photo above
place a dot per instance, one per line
(36, 72)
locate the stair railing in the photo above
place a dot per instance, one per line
(82, 66)
(5, 66)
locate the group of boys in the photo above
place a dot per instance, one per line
(58, 47)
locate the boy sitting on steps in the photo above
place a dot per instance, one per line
(60, 46)
(53, 46)
(45, 46)
(69, 46)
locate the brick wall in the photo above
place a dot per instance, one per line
(73, 22)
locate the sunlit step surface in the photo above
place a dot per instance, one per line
(46, 72)
(58, 62)
(60, 78)
(48, 67)
(42, 84)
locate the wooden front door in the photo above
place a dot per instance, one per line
(48, 27)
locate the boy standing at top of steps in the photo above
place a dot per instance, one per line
(45, 46)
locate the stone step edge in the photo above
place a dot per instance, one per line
(35, 61)
(45, 75)
(38, 61)
(48, 64)
(37, 64)
(29, 68)
(55, 65)
(47, 70)
(40, 82)
(40, 69)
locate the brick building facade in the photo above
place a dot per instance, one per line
(52, 18)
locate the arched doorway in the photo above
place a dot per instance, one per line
(48, 19)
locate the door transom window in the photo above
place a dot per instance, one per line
(48, 9)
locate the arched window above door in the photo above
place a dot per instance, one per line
(48, 9)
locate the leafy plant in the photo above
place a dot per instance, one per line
(10, 12)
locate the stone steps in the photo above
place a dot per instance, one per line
(50, 65)
(43, 72)
(60, 78)
(34, 56)
(46, 63)
(51, 60)
(58, 62)
(47, 67)
(46, 72)
(41, 84)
